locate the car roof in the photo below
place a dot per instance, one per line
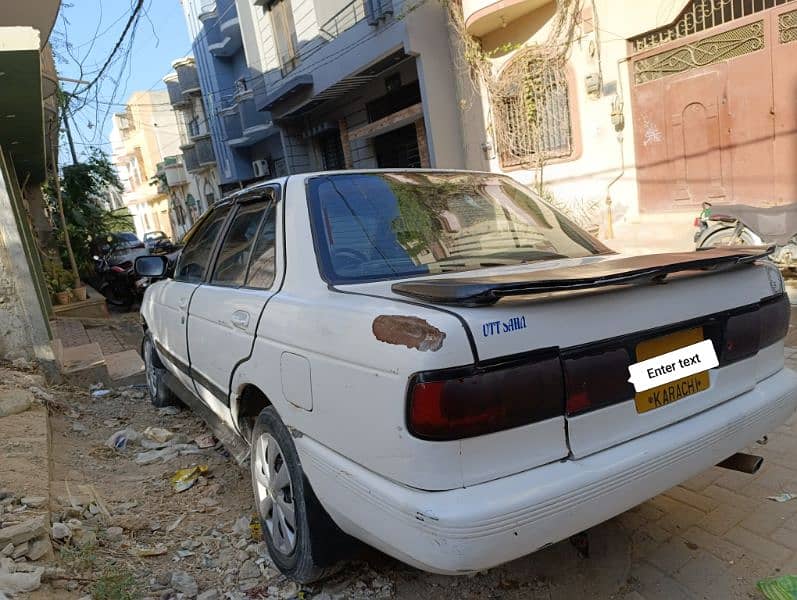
(255, 187)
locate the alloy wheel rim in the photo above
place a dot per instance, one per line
(151, 383)
(274, 493)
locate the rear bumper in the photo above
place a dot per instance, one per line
(481, 526)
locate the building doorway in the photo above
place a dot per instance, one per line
(398, 149)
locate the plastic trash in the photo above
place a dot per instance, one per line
(120, 438)
(784, 497)
(100, 393)
(779, 588)
(165, 454)
(184, 479)
(159, 434)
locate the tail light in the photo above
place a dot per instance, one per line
(774, 320)
(462, 403)
(742, 335)
(597, 379)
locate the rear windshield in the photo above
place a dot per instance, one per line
(371, 227)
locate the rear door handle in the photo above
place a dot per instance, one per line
(240, 319)
(181, 303)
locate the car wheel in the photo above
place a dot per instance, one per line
(300, 535)
(159, 393)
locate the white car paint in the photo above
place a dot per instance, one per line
(461, 505)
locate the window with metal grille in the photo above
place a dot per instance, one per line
(532, 117)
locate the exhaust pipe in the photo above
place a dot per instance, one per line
(743, 462)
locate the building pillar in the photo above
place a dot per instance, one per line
(343, 127)
(423, 146)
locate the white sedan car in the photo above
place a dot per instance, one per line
(438, 363)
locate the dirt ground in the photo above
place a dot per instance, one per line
(133, 536)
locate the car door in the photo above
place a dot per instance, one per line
(172, 296)
(226, 308)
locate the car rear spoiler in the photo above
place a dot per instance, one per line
(488, 289)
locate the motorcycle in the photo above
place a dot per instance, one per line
(116, 280)
(743, 225)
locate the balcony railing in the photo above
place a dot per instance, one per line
(344, 19)
(188, 77)
(190, 158)
(204, 151)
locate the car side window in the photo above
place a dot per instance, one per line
(262, 266)
(194, 259)
(237, 245)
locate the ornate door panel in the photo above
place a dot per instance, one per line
(723, 84)
(694, 138)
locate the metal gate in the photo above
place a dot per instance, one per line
(714, 101)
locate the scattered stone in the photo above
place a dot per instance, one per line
(8, 550)
(22, 532)
(39, 548)
(34, 501)
(14, 583)
(130, 522)
(6, 494)
(22, 364)
(248, 584)
(163, 579)
(20, 551)
(114, 533)
(79, 427)
(248, 570)
(40, 394)
(60, 531)
(14, 402)
(169, 411)
(241, 526)
(209, 595)
(185, 583)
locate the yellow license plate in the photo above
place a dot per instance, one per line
(670, 392)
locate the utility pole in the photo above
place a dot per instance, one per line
(69, 131)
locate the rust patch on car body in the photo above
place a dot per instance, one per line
(412, 332)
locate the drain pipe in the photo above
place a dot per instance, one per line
(618, 120)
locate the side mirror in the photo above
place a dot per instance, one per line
(153, 266)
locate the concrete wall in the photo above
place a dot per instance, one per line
(24, 331)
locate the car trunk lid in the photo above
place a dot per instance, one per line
(612, 307)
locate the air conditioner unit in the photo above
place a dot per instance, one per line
(260, 167)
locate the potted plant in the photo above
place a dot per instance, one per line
(78, 290)
(59, 281)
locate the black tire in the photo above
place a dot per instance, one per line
(317, 538)
(721, 237)
(159, 393)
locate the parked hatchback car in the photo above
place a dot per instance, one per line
(437, 363)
